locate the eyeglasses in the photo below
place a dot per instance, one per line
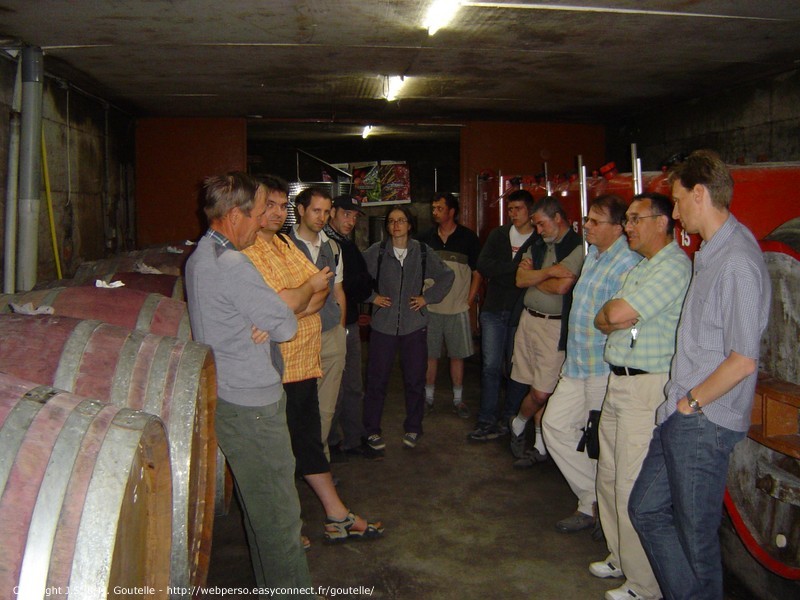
(595, 222)
(634, 219)
(397, 221)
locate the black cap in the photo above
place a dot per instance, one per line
(347, 203)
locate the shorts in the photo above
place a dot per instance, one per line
(454, 330)
(536, 360)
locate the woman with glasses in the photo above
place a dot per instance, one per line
(408, 275)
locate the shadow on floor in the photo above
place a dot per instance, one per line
(460, 522)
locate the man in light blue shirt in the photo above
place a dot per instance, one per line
(584, 376)
(676, 504)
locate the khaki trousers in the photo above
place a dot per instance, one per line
(332, 357)
(562, 425)
(626, 427)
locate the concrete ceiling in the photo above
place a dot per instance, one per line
(319, 65)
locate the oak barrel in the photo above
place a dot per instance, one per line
(125, 307)
(170, 286)
(86, 496)
(174, 379)
(168, 263)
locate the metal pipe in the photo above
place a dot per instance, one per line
(30, 176)
(636, 171)
(109, 205)
(547, 185)
(327, 164)
(584, 193)
(10, 239)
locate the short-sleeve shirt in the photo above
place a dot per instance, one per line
(544, 302)
(726, 310)
(601, 277)
(655, 289)
(460, 253)
(283, 265)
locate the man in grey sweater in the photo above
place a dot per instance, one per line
(242, 319)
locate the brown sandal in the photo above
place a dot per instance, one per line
(338, 531)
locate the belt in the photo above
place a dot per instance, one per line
(622, 371)
(534, 313)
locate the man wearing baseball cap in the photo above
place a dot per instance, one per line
(348, 429)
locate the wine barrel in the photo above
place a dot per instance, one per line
(763, 493)
(124, 307)
(168, 263)
(171, 378)
(86, 496)
(170, 286)
(222, 501)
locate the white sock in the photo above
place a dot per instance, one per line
(429, 393)
(518, 425)
(457, 392)
(539, 443)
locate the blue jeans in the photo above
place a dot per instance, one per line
(676, 504)
(497, 344)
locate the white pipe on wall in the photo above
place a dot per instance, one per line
(12, 181)
(30, 176)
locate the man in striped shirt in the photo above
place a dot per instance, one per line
(582, 385)
(640, 322)
(676, 505)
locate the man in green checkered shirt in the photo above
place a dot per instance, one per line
(641, 321)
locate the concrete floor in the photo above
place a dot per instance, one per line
(460, 522)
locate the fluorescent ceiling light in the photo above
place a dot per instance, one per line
(366, 132)
(393, 86)
(440, 13)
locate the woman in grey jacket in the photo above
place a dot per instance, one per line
(400, 267)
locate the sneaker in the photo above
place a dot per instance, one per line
(410, 439)
(429, 408)
(532, 457)
(518, 443)
(501, 428)
(605, 569)
(369, 454)
(623, 593)
(576, 522)
(481, 433)
(462, 410)
(376, 442)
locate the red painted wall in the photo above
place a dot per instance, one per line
(521, 149)
(172, 158)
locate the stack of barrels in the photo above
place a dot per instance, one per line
(108, 456)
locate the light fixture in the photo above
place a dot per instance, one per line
(440, 13)
(366, 132)
(392, 86)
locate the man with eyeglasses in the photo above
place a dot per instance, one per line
(676, 504)
(640, 321)
(582, 385)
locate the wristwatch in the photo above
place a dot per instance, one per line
(693, 404)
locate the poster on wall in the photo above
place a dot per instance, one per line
(395, 182)
(366, 182)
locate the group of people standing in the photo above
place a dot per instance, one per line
(663, 349)
(615, 331)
